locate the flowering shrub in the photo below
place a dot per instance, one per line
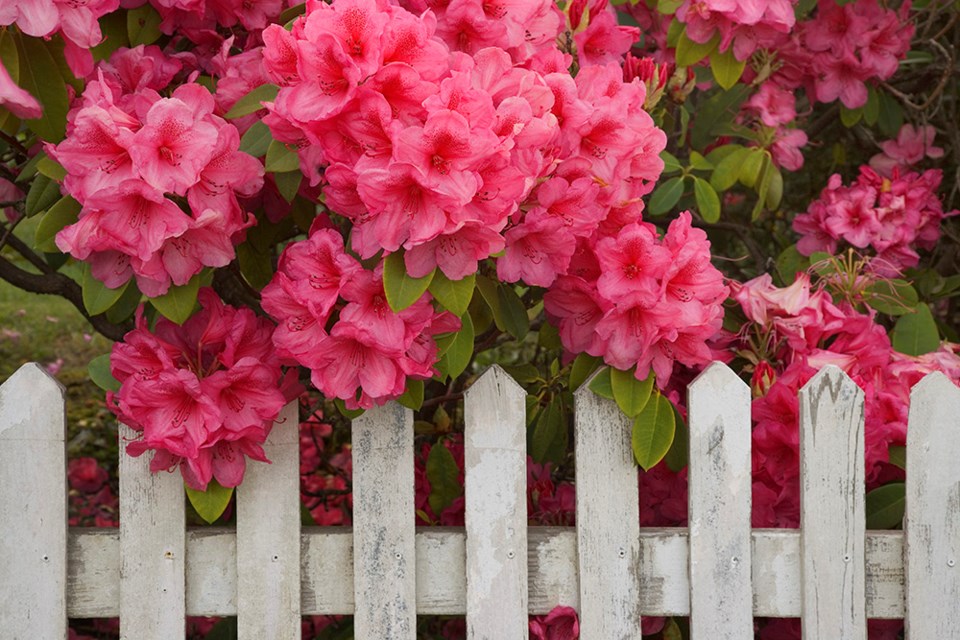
(375, 199)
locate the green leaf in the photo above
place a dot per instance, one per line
(602, 384)
(726, 68)
(288, 183)
(708, 202)
(631, 394)
(790, 262)
(210, 504)
(898, 456)
(63, 213)
(668, 7)
(40, 76)
(143, 25)
(690, 52)
(763, 188)
(292, 12)
(256, 140)
(126, 305)
(885, 506)
(729, 169)
(97, 298)
(349, 414)
(280, 158)
(454, 295)
(51, 168)
(43, 193)
(458, 355)
(894, 297)
(679, 454)
(255, 266)
(665, 196)
(653, 431)
(250, 103)
(916, 333)
(700, 163)
(412, 397)
(716, 112)
(583, 365)
(850, 117)
(775, 188)
(443, 474)
(178, 303)
(890, 118)
(113, 27)
(871, 110)
(670, 163)
(549, 440)
(515, 319)
(402, 290)
(750, 167)
(100, 374)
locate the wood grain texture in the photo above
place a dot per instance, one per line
(152, 549)
(608, 520)
(268, 537)
(720, 485)
(33, 506)
(384, 551)
(932, 522)
(832, 507)
(94, 572)
(495, 467)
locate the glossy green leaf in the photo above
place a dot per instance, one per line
(402, 290)
(670, 163)
(349, 414)
(412, 397)
(51, 168)
(898, 456)
(850, 117)
(61, 214)
(97, 298)
(726, 68)
(178, 303)
(288, 183)
(549, 440)
(653, 431)
(708, 202)
(601, 384)
(583, 365)
(750, 166)
(100, 374)
(280, 158)
(210, 504)
(40, 76)
(698, 162)
(890, 118)
(454, 295)
(789, 263)
(690, 52)
(630, 394)
(255, 266)
(871, 110)
(113, 27)
(714, 113)
(916, 333)
(256, 141)
(251, 102)
(679, 454)
(43, 193)
(668, 7)
(143, 25)
(775, 188)
(443, 475)
(665, 196)
(458, 355)
(515, 319)
(894, 297)
(728, 169)
(762, 188)
(885, 506)
(123, 309)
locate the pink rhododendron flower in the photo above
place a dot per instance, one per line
(911, 146)
(19, 102)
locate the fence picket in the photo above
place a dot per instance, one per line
(932, 523)
(33, 505)
(495, 463)
(720, 484)
(832, 524)
(268, 537)
(384, 551)
(608, 520)
(152, 549)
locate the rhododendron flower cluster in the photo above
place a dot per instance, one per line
(744, 26)
(135, 160)
(334, 319)
(203, 396)
(638, 301)
(892, 216)
(910, 147)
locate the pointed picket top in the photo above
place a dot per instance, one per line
(721, 597)
(932, 520)
(584, 390)
(832, 507)
(495, 377)
(33, 505)
(497, 392)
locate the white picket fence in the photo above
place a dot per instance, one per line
(269, 571)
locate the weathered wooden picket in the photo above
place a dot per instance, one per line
(269, 571)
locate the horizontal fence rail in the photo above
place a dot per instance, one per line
(269, 571)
